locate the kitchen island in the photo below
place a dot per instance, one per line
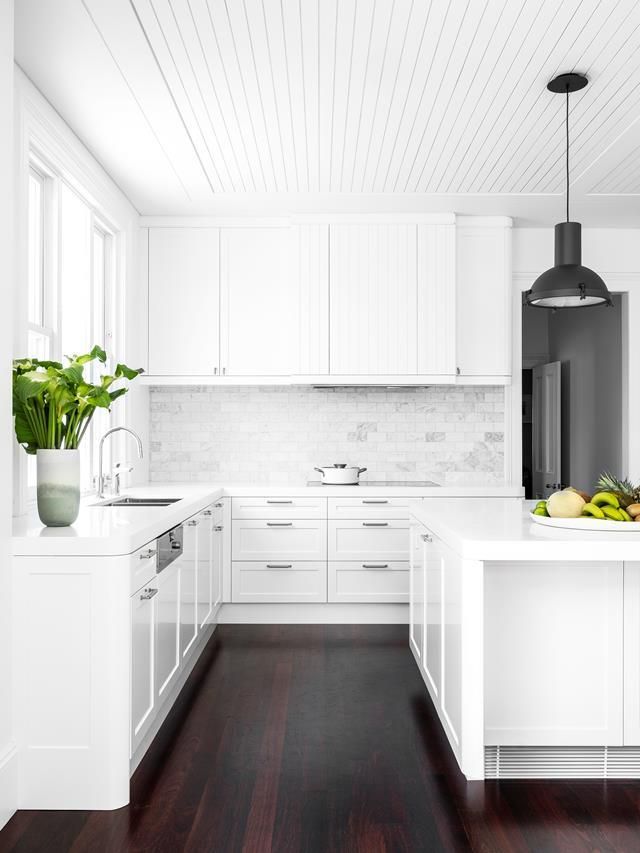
(528, 640)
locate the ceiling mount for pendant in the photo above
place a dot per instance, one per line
(568, 284)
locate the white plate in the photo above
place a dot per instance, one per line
(587, 524)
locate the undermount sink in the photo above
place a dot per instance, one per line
(120, 502)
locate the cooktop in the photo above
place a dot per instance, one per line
(380, 484)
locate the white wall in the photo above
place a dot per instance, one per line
(8, 792)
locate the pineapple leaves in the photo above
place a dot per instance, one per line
(53, 404)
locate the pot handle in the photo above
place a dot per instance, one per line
(319, 470)
(361, 471)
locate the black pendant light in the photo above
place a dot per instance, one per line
(568, 284)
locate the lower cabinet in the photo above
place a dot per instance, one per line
(167, 630)
(372, 581)
(143, 693)
(280, 581)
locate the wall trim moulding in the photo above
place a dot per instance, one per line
(8, 781)
(324, 380)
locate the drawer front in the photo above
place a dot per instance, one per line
(369, 581)
(281, 539)
(278, 507)
(143, 566)
(279, 581)
(369, 507)
(370, 541)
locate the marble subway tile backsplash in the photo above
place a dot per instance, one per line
(451, 434)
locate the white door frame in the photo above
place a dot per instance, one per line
(628, 285)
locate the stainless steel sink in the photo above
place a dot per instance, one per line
(120, 502)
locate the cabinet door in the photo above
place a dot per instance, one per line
(259, 320)
(167, 630)
(369, 540)
(373, 286)
(193, 531)
(183, 301)
(216, 565)
(279, 540)
(204, 571)
(437, 300)
(433, 627)
(631, 654)
(483, 300)
(416, 591)
(142, 674)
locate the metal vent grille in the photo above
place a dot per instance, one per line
(562, 762)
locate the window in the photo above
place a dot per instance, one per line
(70, 274)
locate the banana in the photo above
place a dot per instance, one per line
(605, 499)
(625, 515)
(612, 513)
(592, 510)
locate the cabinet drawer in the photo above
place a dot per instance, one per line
(279, 581)
(373, 507)
(369, 581)
(278, 507)
(281, 539)
(369, 540)
(143, 564)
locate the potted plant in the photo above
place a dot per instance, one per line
(53, 406)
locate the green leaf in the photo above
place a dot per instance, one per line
(96, 353)
(127, 372)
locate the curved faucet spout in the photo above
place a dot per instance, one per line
(100, 484)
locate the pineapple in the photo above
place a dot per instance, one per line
(624, 490)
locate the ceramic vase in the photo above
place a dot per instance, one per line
(58, 486)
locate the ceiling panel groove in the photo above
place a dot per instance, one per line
(552, 130)
(304, 96)
(346, 112)
(362, 97)
(171, 94)
(288, 79)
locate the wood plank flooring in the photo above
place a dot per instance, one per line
(322, 739)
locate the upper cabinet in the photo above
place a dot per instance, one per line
(258, 306)
(183, 301)
(484, 311)
(424, 299)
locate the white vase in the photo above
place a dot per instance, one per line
(58, 486)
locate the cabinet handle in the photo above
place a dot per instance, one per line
(279, 565)
(375, 502)
(207, 512)
(147, 594)
(279, 523)
(215, 371)
(426, 537)
(224, 371)
(458, 371)
(148, 554)
(375, 523)
(375, 565)
(279, 502)
(218, 528)
(193, 523)
(219, 505)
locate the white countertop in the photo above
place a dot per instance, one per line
(111, 531)
(500, 529)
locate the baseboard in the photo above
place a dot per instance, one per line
(8, 782)
(562, 762)
(314, 614)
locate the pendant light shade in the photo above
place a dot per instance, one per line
(568, 284)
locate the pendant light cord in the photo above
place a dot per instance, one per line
(567, 128)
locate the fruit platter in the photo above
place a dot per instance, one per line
(615, 505)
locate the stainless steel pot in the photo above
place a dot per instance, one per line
(340, 474)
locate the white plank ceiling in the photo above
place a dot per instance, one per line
(190, 104)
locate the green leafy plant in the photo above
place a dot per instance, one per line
(53, 405)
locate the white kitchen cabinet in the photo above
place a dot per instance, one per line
(189, 571)
(297, 581)
(258, 303)
(217, 551)
(416, 591)
(368, 508)
(278, 507)
(436, 300)
(143, 699)
(371, 581)
(554, 653)
(632, 653)
(311, 281)
(369, 541)
(183, 301)
(279, 540)
(483, 299)
(204, 567)
(373, 299)
(167, 630)
(435, 639)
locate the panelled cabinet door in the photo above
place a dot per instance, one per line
(167, 630)
(311, 280)
(193, 530)
(483, 300)
(373, 287)
(216, 567)
(416, 591)
(631, 654)
(142, 674)
(204, 568)
(437, 300)
(183, 301)
(259, 316)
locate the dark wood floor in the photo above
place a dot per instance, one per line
(322, 738)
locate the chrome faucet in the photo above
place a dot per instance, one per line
(101, 477)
